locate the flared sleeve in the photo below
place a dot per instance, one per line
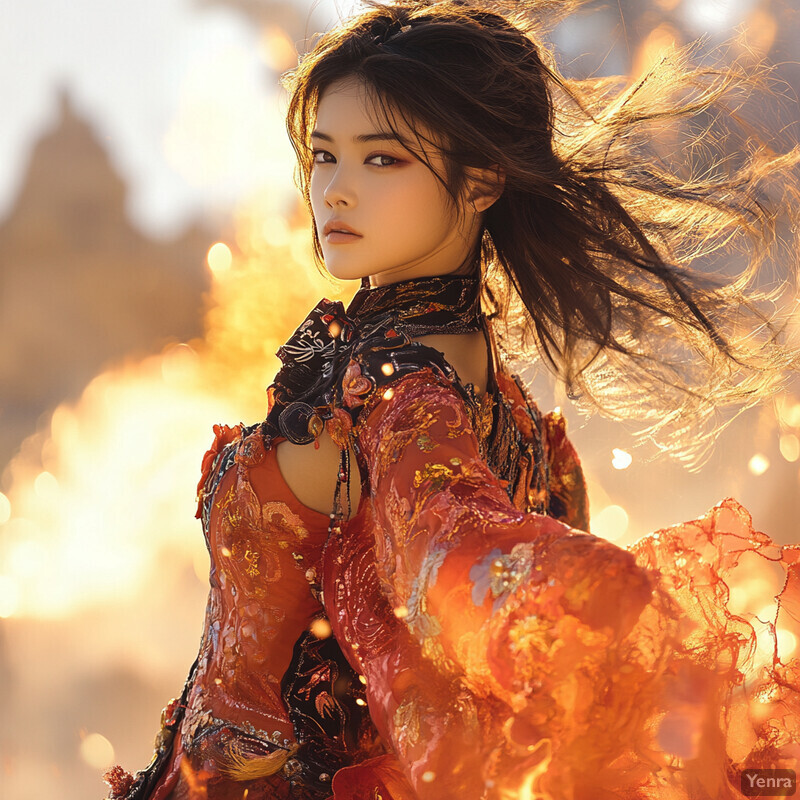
(458, 561)
(592, 674)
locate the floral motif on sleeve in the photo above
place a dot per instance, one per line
(466, 565)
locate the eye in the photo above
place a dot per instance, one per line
(319, 157)
(384, 160)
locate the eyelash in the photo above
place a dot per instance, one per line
(315, 153)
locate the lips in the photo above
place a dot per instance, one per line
(334, 226)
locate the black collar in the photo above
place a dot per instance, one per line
(436, 304)
(378, 320)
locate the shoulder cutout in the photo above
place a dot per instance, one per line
(312, 473)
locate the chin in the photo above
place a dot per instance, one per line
(343, 271)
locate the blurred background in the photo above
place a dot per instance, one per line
(153, 256)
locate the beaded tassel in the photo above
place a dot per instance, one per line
(337, 515)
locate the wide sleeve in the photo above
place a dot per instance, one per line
(621, 672)
(468, 572)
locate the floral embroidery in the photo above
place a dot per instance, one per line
(283, 523)
(251, 557)
(425, 443)
(355, 385)
(437, 473)
(251, 451)
(339, 426)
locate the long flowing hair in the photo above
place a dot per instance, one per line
(590, 256)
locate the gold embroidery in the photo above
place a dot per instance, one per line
(438, 473)
(485, 417)
(283, 523)
(224, 502)
(245, 552)
(425, 443)
(251, 558)
(407, 720)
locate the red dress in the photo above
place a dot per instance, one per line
(463, 634)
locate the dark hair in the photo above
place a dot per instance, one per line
(586, 253)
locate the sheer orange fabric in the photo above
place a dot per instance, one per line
(501, 649)
(538, 659)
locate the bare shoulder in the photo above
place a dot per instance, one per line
(311, 473)
(466, 352)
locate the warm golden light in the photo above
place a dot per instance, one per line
(788, 410)
(321, 628)
(9, 596)
(622, 459)
(45, 485)
(790, 447)
(745, 594)
(179, 365)
(277, 49)
(787, 644)
(758, 464)
(107, 493)
(219, 258)
(611, 523)
(334, 329)
(275, 232)
(103, 565)
(528, 788)
(660, 41)
(757, 35)
(97, 751)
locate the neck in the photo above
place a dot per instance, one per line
(429, 304)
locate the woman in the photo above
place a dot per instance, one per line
(450, 628)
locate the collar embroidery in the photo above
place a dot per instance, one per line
(330, 361)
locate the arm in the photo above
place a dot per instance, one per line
(482, 586)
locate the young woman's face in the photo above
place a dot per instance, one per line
(402, 222)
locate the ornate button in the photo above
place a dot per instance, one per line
(315, 425)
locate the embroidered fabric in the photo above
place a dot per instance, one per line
(462, 634)
(247, 510)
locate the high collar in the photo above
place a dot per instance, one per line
(432, 304)
(379, 323)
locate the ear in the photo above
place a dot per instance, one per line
(484, 186)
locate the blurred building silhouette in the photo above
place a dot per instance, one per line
(80, 287)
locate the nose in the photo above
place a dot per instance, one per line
(339, 191)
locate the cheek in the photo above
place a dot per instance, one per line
(315, 191)
(420, 207)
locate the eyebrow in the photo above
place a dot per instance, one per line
(363, 137)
